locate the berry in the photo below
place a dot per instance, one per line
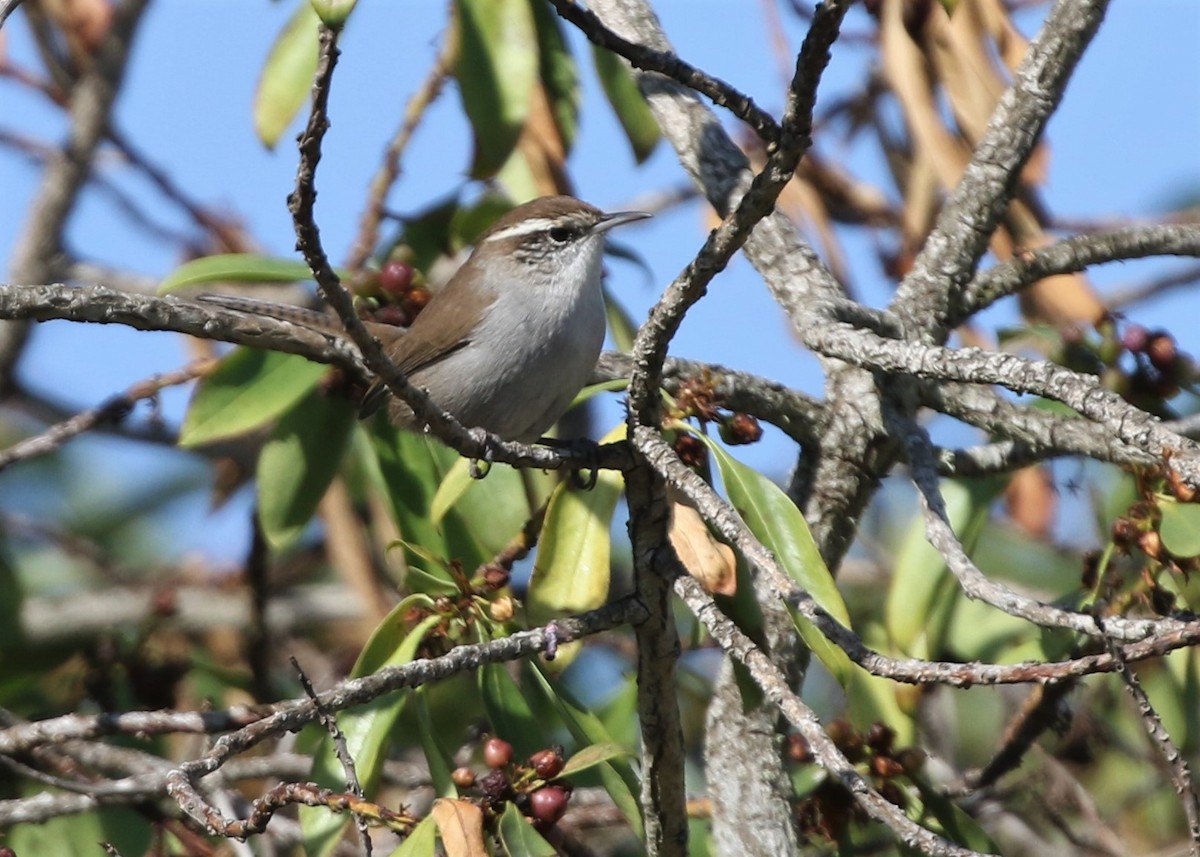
(395, 277)
(495, 786)
(691, 450)
(547, 764)
(548, 804)
(464, 777)
(497, 753)
(740, 429)
(392, 314)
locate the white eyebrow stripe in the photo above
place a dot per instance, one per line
(525, 227)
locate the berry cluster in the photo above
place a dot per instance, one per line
(532, 786)
(395, 293)
(829, 808)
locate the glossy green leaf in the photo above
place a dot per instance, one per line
(451, 489)
(497, 68)
(408, 468)
(422, 842)
(559, 76)
(247, 390)
(298, 462)
(236, 268)
(518, 837)
(509, 712)
(616, 774)
(1180, 528)
(287, 76)
(923, 593)
(488, 514)
(776, 522)
(641, 128)
(594, 755)
(366, 730)
(439, 761)
(572, 569)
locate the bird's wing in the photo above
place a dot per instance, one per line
(443, 327)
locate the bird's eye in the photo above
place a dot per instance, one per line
(561, 234)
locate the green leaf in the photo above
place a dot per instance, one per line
(616, 773)
(455, 484)
(366, 730)
(287, 76)
(923, 593)
(488, 513)
(518, 837)
(298, 462)
(407, 469)
(632, 111)
(422, 842)
(594, 755)
(572, 569)
(248, 389)
(235, 267)
(556, 68)
(508, 711)
(776, 522)
(1180, 528)
(497, 68)
(439, 761)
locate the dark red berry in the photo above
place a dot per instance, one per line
(1162, 351)
(880, 737)
(547, 764)
(548, 804)
(495, 786)
(395, 277)
(497, 753)
(691, 450)
(798, 749)
(885, 767)
(392, 314)
(740, 429)
(417, 298)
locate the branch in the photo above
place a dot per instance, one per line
(102, 305)
(774, 684)
(666, 63)
(1071, 255)
(1181, 775)
(113, 410)
(35, 253)
(292, 715)
(975, 366)
(927, 296)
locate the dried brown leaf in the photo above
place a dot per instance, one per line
(461, 826)
(709, 561)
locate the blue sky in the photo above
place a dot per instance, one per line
(1126, 143)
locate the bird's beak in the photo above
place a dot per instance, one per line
(618, 218)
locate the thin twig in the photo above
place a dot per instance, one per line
(329, 721)
(389, 170)
(114, 410)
